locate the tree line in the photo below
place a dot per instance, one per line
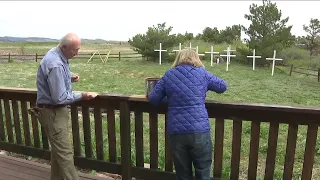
(267, 31)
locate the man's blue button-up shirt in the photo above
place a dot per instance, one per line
(54, 80)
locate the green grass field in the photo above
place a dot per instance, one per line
(245, 85)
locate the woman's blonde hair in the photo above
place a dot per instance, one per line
(187, 56)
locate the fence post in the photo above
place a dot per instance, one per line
(119, 56)
(318, 74)
(291, 70)
(36, 57)
(125, 140)
(9, 58)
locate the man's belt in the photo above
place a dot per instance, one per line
(51, 106)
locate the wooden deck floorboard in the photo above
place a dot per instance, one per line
(12, 168)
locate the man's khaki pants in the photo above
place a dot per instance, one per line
(55, 123)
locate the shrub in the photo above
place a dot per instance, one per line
(294, 53)
(313, 63)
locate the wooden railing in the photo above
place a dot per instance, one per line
(101, 150)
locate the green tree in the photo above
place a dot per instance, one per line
(230, 34)
(312, 40)
(300, 40)
(211, 35)
(188, 36)
(267, 31)
(145, 44)
(198, 36)
(227, 35)
(181, 38)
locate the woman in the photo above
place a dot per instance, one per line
(184, 88)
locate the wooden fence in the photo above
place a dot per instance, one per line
(37, 57)
(308, 71)
(33, 142)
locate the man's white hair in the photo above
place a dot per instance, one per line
(68, 39)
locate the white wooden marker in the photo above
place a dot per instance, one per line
(254, 58)
(228, 57)
(212, 53)
(274, 61)
(197, 50)
(229, 52)
(190, 46)
(179, 48)
(160, 50)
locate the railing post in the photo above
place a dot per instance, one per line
(291, 70)
(2, 133)
(9, 58)
(119, 56)
(125, 141)
(36, 57)
(218, 148)
(309, 152)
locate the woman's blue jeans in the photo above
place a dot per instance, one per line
(188, 149)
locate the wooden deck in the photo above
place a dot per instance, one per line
(19, 169)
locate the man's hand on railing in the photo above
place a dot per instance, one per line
(75, 78)
(89, 95)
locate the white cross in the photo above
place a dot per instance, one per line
(179, 48)
(197, 50)
(274, 60)
(254, 58)
(190, 46)
(212, 53)
(229, 52)
(160, 50)
(228, 57)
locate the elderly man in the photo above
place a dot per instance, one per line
(54, 93)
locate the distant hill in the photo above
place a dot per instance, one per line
(41, 39)
(26, 39)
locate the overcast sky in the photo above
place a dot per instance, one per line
(121, 20)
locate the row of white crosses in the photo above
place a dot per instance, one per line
(274, 59)
(190, 47)
(228, 55)
(197, 50)
(212, 53)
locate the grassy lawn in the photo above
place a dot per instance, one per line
(245, 85)
(127, 77)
